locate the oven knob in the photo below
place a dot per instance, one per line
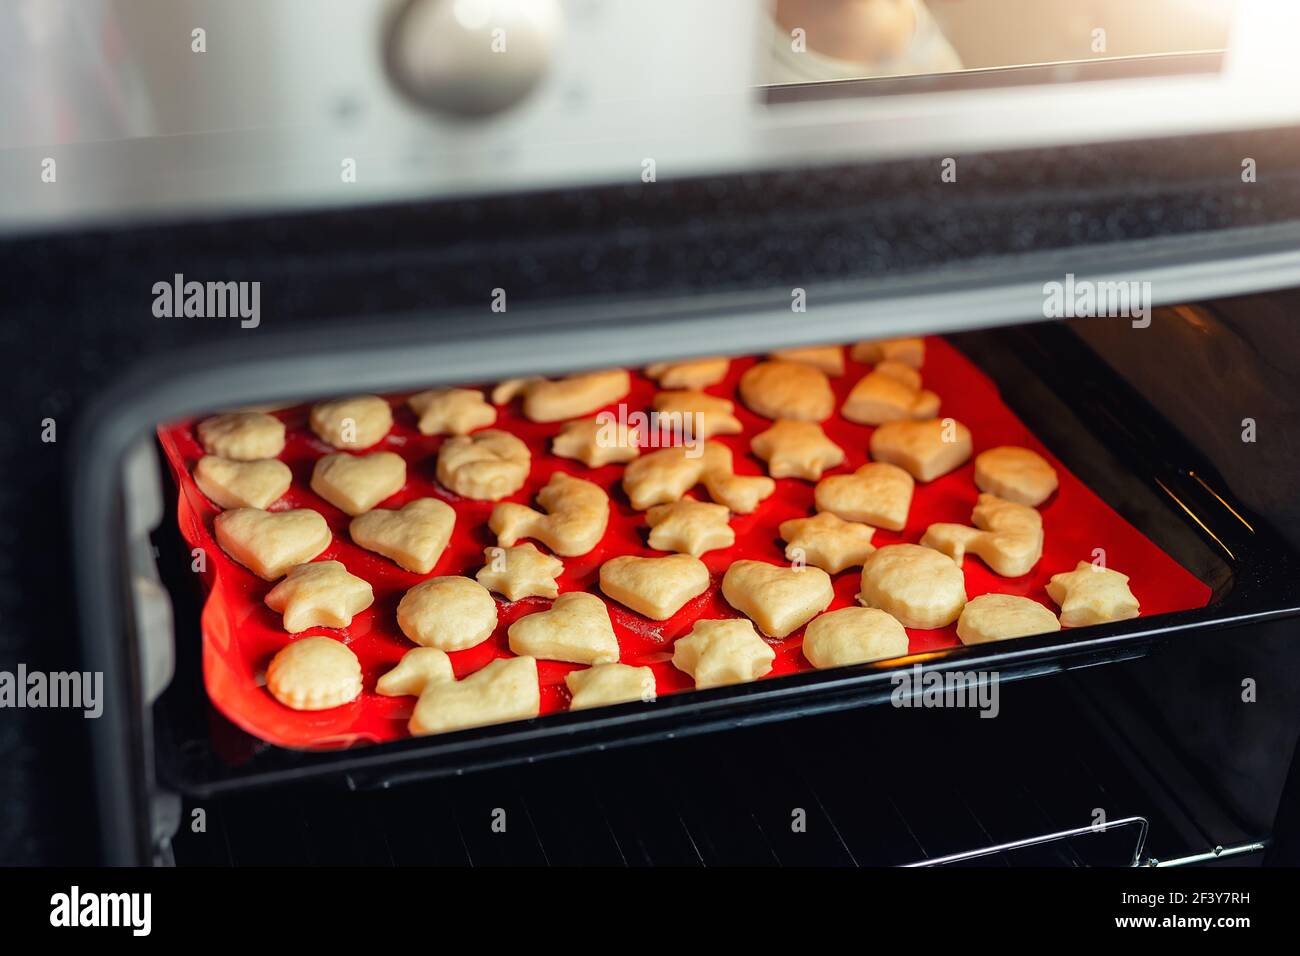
(472, 58)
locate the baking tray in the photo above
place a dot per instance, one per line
(240, 634)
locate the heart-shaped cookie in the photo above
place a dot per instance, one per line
(877, 494)
(576, 628)
(242, 484)
(655, 587)
(413, 536)
(927, 449)
(356, 483)
(780, 600)
(270, 543)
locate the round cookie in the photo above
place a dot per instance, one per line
(919, 586)
(450, 613)
(315, 673)
(485, 466)
(1015, 474)
(996, 617)
(779, 389)
(853, 635)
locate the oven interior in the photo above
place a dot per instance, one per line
(875, 784)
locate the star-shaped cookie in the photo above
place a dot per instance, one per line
(794, 449)
(520, 572)
(320, 594)
(451, 411)
(690, 527)
(595, 442)
(827, 542)
(1092, 595)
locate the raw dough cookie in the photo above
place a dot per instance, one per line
(691, 373)
(1092, 595)
(877, 494)
(609, 684)
(796, 450)
(451, 411)
(741, 493)
(778, 599)
(418, 668)
(1015, 474)
(314, 673)
(908, 351)
(787, 390)
(996, 617)
(356, 483)
(520, 572)
(690, 527)
(576, 518)
(827, 542)
(450, 613)
(322, 594)
(595, 443)
(662, 476)
(486, 466)
(242, 484)
(505, 689)
(828, 358)
(694, 415)
(853, 635)
(891, 392)
(918, 586)
(927, 449)
(576, 629)
(1008, 536)
(270, 543)
(413, 536)
(717, 653)
(655, 587)
(554, 401)
(242, 436)
(352, 423)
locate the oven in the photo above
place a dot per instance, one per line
(1098, 251)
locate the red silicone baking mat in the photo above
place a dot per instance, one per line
(241, 634)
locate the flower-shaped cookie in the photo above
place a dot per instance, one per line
(520, 572)
(321, 594)
(717, 653)
(796, 450)
(485, 466)
(576, 628)
(577, 513)
(778, 599)
(827, 542)
(1092, 595)
(451, 411)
